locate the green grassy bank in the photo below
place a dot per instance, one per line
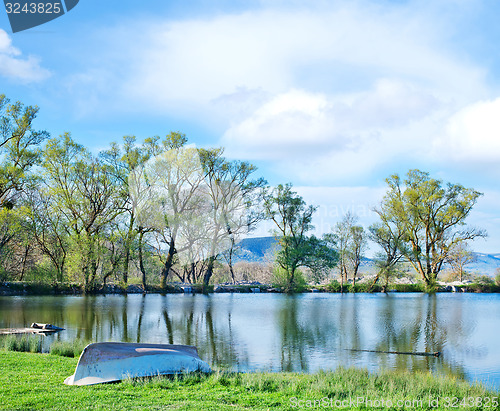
(35, 381)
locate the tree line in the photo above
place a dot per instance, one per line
(175, 211)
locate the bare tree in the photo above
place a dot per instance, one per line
(458, 257)
(350, 241)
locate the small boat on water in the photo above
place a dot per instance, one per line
(115, 361)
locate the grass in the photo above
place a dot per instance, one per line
(29, 343)
(68, 348)
(35, 381)
(25, 343)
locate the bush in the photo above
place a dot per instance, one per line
(281, 279)
(483, 280)
(484, 284)
(333, 287)
(408, 288)
(359, 288)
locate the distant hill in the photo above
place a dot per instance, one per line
(484, 264)
(255, 250)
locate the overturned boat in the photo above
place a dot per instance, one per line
(115, 361)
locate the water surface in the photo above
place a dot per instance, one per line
(275, 332)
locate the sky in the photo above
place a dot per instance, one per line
(331, 96)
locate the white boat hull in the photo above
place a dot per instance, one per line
(115, 361)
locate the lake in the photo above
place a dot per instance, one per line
(276, 332)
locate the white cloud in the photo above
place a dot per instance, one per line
(332, 91)
(14, 66)
(304, 123)
(485, 216)
(384, 75)
(320, 139)
(287, 122)
(473, 134)
(192, 63)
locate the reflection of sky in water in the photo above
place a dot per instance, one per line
(277, 332)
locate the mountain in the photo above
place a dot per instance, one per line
(486, 264)
(255, 250)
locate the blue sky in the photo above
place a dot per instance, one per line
(333, 96)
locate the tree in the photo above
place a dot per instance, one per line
(431, 215)
(18, 154)
(350, 241)
(458, 257)
(390, 238)
(18, 141)
(167, 195)
(293, 219)
(84, 193)
(235, 207)
(48, 228)
(122, 161)
(357, 249)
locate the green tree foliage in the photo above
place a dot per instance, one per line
(18, 148)
(84, 192)
(19, 152)
(167, 195)
(431, 215)
(293, 219)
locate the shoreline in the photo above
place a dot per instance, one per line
(28, 288)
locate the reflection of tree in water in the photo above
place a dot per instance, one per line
(303, 331)
(348, 323)
(141, 316)
(102, 318)
(211, 334)
(423, 332)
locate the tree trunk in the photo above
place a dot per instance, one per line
(168, 264)
(374, 282)
(231, 269)
(230, 260)
(208, 273)
(291, 282)
(25, 258)
(141, 262)
(126, 263)
(191, 276)
(128, 242)
(386, 285)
